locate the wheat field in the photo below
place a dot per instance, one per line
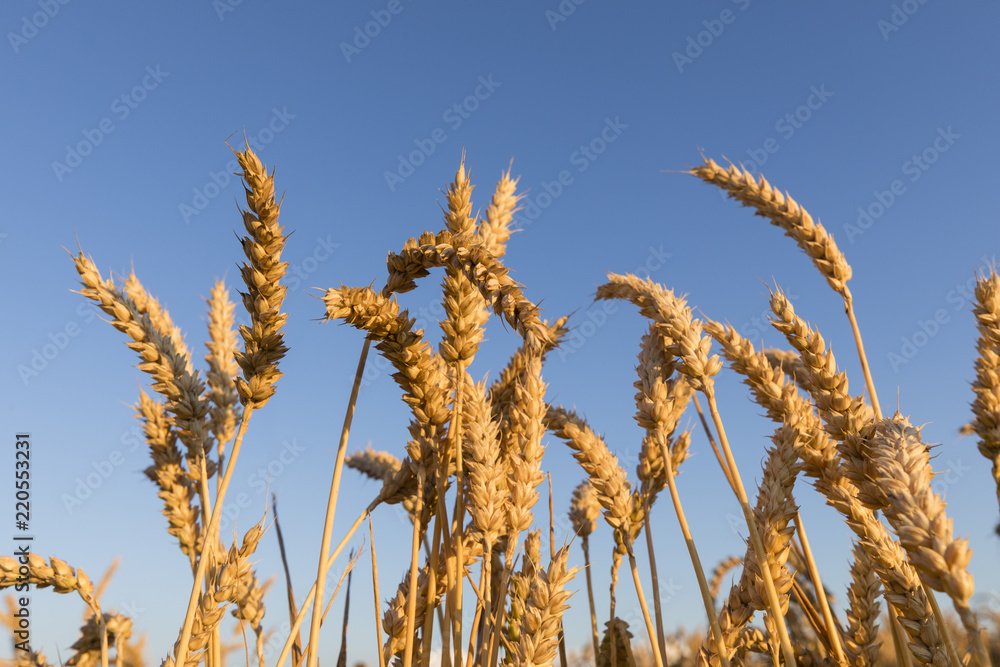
(472, 475)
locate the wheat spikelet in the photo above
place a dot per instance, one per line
(844, 415)
(222, 366)
(584, 509)
(673, 320)
(424, 387)
(539, 623)
(613, 490)
(381, 466)
(786, 213)
(501, 392)
(903, 479)
(618, 636)
(481, 268)
(488, 472)
(168, 366)
(861, 636)
(528, 425)
(147, 304)
(660, 402)
(494, 231)
(57, 575)
(724, 566)
(986, 386)
(87, 649)
(176, 489)
(224, 588)
(263, 341)
(774, 513)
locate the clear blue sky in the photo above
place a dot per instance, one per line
(115, 118)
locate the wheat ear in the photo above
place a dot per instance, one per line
(691, 348)
(811, 237)
(494, 231)
(861, 637)
(540, 621)
(222, 368)
(986, 386)
(583, 514)
(263, 341)
(782, 400)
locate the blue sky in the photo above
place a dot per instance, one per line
(878, 117)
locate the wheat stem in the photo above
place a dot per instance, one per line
(831, 625)
(181, 654)
(331, 510)
(765, 571)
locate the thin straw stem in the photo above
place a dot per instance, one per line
(831, 626)
(211, 529)
(331, 510)
(552, 557)
(411, 600)
(706, 594)
(849, 307)
(657, 609)
(590, 595)
(650, 630)
(711, 441)
(765, 571)
(378, 624)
